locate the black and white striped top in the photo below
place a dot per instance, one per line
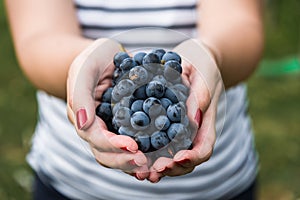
(63, 158)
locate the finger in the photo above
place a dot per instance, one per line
(70, 114)
(203, 142)
(85, 73)
(105, 141)
(162, 164)
(198, 100)
(79, 62)
(100, 89)
(124, 161)
(177, 170)
(154, 177)
(167, 167)
(140, 173)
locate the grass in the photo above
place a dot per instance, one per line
(274, 103)
(274, 107)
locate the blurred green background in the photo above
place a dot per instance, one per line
(274, 93)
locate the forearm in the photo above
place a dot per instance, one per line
(46, 58)
(47, 38)
(233, 31)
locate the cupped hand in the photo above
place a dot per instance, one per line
(89, 76)
(201, 74)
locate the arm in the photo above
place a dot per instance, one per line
(230, 31)
(233, 31)
(47, 38)
(51, 50)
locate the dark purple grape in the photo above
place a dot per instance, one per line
(175, 112)
(155, 89)
(138, 57)
(106, 97)
(143, 141)
(176, 130)
(138, 75)
(119, 57)
(159, 139)
(140, 121)
(103, 110)
(170, 55)
(162, 122)
(137, 105)
(122, 117)
(149, 102)
(151, 62)
(140, 92)
(159, 52)
(127, 64)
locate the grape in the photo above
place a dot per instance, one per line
(138, 58)
(147, 102)
(165, 102)
(140, 92)
(176, 129)
(143, 141)
(104, 111)
(172, 71)
(106, 97)
(182, 88)
(171, 56)
(138, 75)
(151, 62)
(175, 112)
(159, 139)
(161, 79)
(171, 95)
(159, 52)
(122, 116)
(119, 57)
(122, 89)
(155, 89)
(162, 122)
(127, 64)
(137, 105)
(140, 121)
(127, 130)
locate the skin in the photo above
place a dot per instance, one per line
(52, 52)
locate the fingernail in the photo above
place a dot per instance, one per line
(161, 169)
(139, 162)
(132, 163)
(166, 170)
(198, 117)
(81, 118)
(184, 161)
(157, 180)
(137, 177)
(128, 149)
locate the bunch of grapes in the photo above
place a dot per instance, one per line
(147, 102)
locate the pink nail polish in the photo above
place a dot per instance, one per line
(198, 117)
(81, 118)
(128, 149)
(132, 163)
(183, 162)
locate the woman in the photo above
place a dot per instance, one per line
(55, 41)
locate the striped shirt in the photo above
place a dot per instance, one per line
(60, 156)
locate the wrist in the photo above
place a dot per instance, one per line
(203, 59)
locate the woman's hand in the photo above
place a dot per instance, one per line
(202, 76)
(89, 76)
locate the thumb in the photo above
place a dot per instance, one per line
(84, 75)
(198, 100)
